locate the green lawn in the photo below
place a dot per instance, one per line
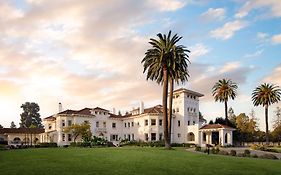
(127, 161)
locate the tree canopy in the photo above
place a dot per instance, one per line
(76, 130)
(30, 115)
(13, 125)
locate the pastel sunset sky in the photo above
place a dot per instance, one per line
(87, 53)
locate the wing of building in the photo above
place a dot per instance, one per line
(144, 124)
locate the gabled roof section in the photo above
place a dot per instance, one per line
(21, 130)
(68, 111)
(100, 109)
(155, 109)
(189, 92)
(216, 126)
(50, 118)
(85, 111)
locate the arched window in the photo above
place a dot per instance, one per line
(190, 137)
(17, 140)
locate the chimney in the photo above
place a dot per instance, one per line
(113, 111)
(60, 107)
(141, 107)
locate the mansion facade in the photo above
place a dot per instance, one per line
(144, 124)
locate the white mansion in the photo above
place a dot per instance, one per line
(141, 124)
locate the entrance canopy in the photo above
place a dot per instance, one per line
(216, 134)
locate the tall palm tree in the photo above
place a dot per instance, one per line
(159, 62)
(224, 90)
(178, 73)
(265, 95)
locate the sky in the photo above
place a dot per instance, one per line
(86, 53)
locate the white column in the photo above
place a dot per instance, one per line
(221, 136)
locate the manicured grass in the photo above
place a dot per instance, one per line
(127, 161)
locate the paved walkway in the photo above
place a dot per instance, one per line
(241, 150)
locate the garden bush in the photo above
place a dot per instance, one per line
(255, 156)
(268, 156)
(215, 150)
(198, 148)
(232, 153)
(48, 145)
(241, 155)
(222, 152)
(247, 152)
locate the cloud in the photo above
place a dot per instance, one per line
(274, 77)
(273, 5)
(276, 39)
(255, 54)
(228, 67)
(228, 29)
(167, 5)
(213, 14)
(198, 50)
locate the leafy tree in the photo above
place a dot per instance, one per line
(224, 90)
(79, 130)
(163, 62)
(201, 117)
(246, 127)
(30, 115)
(277, 120)
(1, 126)
(13, 125)
(276, 133)
(220, 120)
(265, 95)
(211, 122)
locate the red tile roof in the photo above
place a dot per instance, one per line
(216, 126)
(98, 108)
(21, 130)
(50, 118)
(189, 91)
(85, 111)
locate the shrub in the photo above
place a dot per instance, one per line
(241, 155)
(268, 156)
(222, 152)
(255, 156)
(197, 148)
(232, 153)
(48, 145)
(182, 145)
(2, 147)
(247, 152)
(215, 150)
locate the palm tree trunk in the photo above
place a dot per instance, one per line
(226, 117)
(170, 109)
(266, 125)
(164, 102)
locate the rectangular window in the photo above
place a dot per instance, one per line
(160, 122)
(179, 123)
(179, 135)
(129, 137)
(145, 122)
(146, 137)
(125, 125)
(104, 113)
(153, 136)
(63, 123)
(132, 124)
(153, 122)
(128, 124)
(113, 125)
(133, 137)
(69, 122)
(69, 137)
(63, 137)
(104, 124)
(174, 111)
(96, 112)
(193, 122)
(97, 124)
(160, 136)
(50, 126)
(188, 122)
(178, 110)
(204, 137)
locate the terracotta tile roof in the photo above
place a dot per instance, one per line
(50, 118)
(21, 130)
(155, 109)
(189, 91)
(117, 116)
(98, 108)
(68, 111)
(215, 126)
(85, 111)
